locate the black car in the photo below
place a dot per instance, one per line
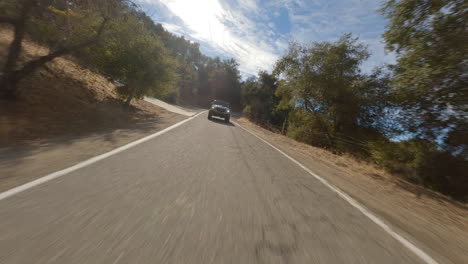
(220, 109)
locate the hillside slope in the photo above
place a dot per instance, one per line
(64, 99)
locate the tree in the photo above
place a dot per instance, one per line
(259, 96)
(69, 25)
(135, 58)
(116, 38)
(430, 77)
(219, 79)
(200, 79)
(324, 79)
(230, 87)
(187, 80)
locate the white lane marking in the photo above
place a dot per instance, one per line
(413, 248)
(90, 161)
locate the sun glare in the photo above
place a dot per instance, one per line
(202, 17)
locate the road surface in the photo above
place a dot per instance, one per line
(204, 192)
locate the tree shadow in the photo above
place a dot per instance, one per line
(54, 109)
(64, 102)
(221, 121)
(13, 155)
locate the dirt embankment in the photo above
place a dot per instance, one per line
(64, 99)
(439, 223)
(65, 113)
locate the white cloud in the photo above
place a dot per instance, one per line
(244, 29)
(226, 30)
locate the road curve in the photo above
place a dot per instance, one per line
(205, 192)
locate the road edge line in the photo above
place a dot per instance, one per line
(87, 162)
(374, 218)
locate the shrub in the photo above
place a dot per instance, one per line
(247, 111)
(305, 128)
(420, 162)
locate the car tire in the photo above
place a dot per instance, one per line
(227, 119)
(209, 116)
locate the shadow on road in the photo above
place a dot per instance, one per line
(221, 121)
(21, 163)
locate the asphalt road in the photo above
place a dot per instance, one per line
(204, 192)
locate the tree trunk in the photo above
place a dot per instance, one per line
(283, 128)
(12, 77)
(7, 84)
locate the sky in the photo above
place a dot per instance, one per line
(257, 33)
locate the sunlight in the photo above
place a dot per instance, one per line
(204, 18)
(210, 22)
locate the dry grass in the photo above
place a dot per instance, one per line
(63, 98)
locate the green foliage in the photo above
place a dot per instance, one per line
(200, 79)
(59, 23)
(135, 58)
(430, 78)
(421, 162)
(307, 128)
(335, 106)
(65, 26)
(58, 27)
(247, 110)
(187, 80)
(139, 55)
(400, 157)
(324, 79)
(225, 81)
(259, 95)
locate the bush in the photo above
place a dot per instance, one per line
(305, 128)
(420, 162)
(247, 111)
